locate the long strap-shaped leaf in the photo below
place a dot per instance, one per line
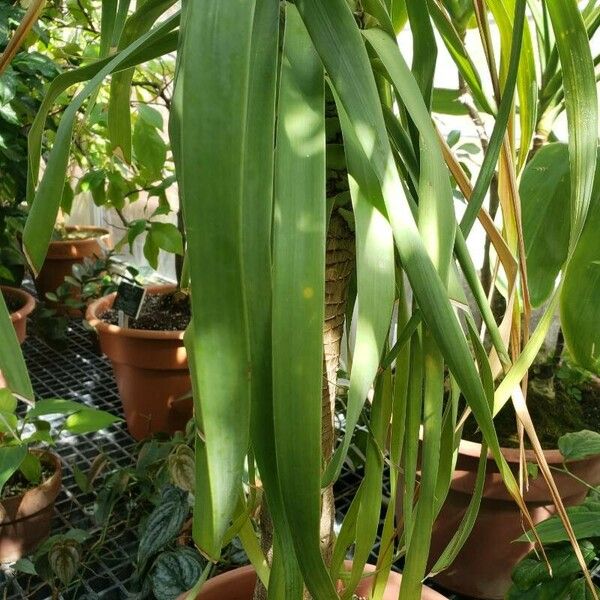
(299, 230)
(496, 139)
(375, 281)
(286, 580)
(463, 61)
(42, 216)
(581, 104)
(210, 165)
(503, 11)
(335, 36)
(12, 365)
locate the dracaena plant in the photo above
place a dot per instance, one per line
(259, 87)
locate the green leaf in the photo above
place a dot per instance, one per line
(167, 237)
(119, 114)
(163, 524)
(579, 306)
(8, 402)
(574, 446)
(64, 557)
(149, 148)
(151, 252)
(11, 458)
(533, 570)
(136, 228)
(31, 467)
(89, 420)
(490, 160)
(54, 406)
(298, 289)
(459, 54)
(42, 215)
(545, 185)
(151, 116)
(181, 468)
(335, 35)
(581, 103)
(12, 364)
(212, 200)
(585, 520)
(24, 565)
(175, 572)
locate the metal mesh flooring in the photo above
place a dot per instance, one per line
(78, 372)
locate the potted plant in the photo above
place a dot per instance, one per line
(149, 361)
(531, 576)
(31, 473)
(69, 246)
(20, 305)
(252, 169)
(543, 246)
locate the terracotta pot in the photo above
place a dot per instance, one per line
(483, 567)
(151, 370)
(63, 254)
(26, 519)
(239, 585)
(19, 317)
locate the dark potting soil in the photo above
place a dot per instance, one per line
(560, 401)
(160, 312)
(19, 484)
(13, 304)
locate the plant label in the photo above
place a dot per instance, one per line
(130, 298)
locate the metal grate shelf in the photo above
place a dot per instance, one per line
(78, 372)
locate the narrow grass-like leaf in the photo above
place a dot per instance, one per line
(335, 36)
(490, 160)
(459, 54)
(581, 104)
(370, 504)
(375, 281)
(107, 25)
(256, 239)
(418, 543)
(299, 230)
(212, 205)
(504, 12)
(424, 48)
(466, 525)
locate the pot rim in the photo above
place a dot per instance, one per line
(242, 572)
(26, 297)
(93, 317)
(512, 455)
(102, 232)
(47, 483)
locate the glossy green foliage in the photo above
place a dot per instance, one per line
(544, 191)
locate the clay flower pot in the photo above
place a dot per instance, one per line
(63, 254)
(19, 316)
(483, 567)
(151, 370)
(26, 519)
(239, 585)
